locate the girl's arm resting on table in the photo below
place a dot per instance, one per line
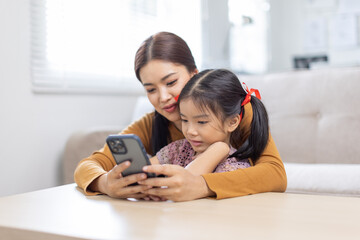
(207, 161)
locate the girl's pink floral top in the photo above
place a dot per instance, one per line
(181, 153)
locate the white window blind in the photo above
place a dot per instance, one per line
(90, 45)
(248, 35)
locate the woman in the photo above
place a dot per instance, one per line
(164, 64)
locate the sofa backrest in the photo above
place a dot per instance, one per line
(314, 114)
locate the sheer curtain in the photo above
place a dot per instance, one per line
(89, 45)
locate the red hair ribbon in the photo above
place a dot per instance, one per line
(177, 97)
(248, 95)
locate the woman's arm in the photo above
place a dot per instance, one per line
(207, 161)
(267, 175)
(99, 173)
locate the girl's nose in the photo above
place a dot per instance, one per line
(191, 130)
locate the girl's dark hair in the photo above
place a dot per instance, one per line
(168, 47)
(221, 92)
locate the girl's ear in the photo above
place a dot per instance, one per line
(232, 123)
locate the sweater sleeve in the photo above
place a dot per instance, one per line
(101, 161)
(267, 175)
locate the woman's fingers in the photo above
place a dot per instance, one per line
(138, 196)
(179, 185)
(166, 169)
(160, 193)
(154, 198)
(131, 179)
(173, 175)
(136, 191)
(115, 176)
(118, 169)
(122, 187)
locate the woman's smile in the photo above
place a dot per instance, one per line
(170, 108)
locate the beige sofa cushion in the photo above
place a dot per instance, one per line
(314, 115)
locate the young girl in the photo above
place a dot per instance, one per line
(211, 127)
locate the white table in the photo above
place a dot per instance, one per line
(66, 213)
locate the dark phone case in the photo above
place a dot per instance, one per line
(134, 152)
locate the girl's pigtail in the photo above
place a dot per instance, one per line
(257, 140)
(259, 134)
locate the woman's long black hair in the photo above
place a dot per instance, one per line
(221, 92)
(169, 47)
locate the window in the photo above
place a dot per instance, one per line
(89, 45)
(248, 36)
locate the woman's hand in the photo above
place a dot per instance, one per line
(115, 185)
(178, 185)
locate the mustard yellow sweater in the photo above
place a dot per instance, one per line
(267, 175)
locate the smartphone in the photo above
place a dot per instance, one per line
(128, 147)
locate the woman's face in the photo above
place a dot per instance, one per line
(163, 81)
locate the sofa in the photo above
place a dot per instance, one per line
(314, 119)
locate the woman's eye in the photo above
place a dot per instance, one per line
(171, 83)
(150, 90)
(184, 120)
(203, 122)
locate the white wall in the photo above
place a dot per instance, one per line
(283, 33)
(35, 127)
(290, 22)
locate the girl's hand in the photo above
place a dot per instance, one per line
(179, 185)
(115, 185)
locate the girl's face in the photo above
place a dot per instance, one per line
(163, 81)
(203, 128)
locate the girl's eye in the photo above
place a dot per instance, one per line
(203, 122)
(171, 83)
(184, 120)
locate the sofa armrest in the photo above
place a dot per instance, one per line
(82, 144)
